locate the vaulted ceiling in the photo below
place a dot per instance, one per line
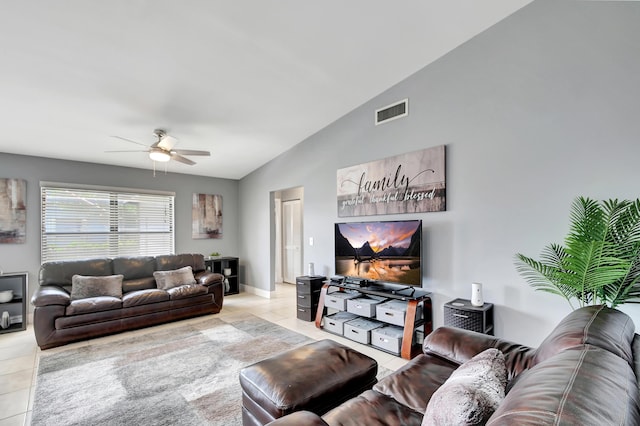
(243, 79)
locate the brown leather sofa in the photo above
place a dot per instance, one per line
(584, 373)
(58, 320)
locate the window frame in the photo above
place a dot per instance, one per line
(110, 222)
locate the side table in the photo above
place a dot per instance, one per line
(462, 314)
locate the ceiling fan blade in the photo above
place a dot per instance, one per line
(190, 152)
(182, 159)
(167, 142)
(128, 150)
(129, 140)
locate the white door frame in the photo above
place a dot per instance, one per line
(291, 240)
(277, 244)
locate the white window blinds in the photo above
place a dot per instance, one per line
(89, 222)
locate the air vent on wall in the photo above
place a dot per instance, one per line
(392, 112)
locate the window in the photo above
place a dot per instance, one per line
(83, 222)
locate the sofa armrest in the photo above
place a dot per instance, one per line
(459, 345)
(207, 278)
(214, 283)
(298, 418)
(47, 295)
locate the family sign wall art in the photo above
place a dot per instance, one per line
(408, 183)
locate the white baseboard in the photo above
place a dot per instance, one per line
(257, 291)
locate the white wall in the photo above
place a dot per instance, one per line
(537, 110)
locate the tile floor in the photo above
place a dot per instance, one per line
(19, 352)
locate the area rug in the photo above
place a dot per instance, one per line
(182, 375)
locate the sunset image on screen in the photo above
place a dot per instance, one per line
(388, 251)
(379, 235)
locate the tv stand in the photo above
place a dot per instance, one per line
(412, 295)
(397, 290)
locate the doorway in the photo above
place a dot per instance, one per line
(287, 235)
(291, 241)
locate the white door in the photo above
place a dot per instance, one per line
(292, 241)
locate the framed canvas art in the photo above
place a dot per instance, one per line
(408, 183)
(207, 216)
(13, 211)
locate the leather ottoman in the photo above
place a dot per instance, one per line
(316, 377)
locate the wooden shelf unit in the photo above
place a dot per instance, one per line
(219, 264)
(17, 307)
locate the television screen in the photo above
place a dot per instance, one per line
(383, 251)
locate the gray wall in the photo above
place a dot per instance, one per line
(26, 257)
(537, 110)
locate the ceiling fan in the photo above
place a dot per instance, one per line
(162, 150)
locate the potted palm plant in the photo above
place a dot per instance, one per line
(599, 262)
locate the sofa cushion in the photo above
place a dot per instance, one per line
(83, 287)
(134, 267)
(176, 261)
(177, 277)
(372, 408)
(93, 304)
(413, 384)
(596, 325)
(459, 346)
(471, 394)
(60, 272)
(139, 284)
(583, 385)
(185, 291)
(635, 344)
(144, 297)
(297, 418)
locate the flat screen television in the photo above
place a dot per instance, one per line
(381, 251)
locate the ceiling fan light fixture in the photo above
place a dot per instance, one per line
(162, 151)
(157, 154)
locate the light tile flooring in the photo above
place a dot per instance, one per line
(19, 353)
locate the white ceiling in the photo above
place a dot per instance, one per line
(244, 79)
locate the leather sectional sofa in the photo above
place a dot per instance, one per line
(59, 318)
(584, 373)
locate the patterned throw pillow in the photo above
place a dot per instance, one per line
(471, 394)
(83, 287)
(169, 279)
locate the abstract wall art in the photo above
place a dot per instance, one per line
(13, 211)
(207, 216)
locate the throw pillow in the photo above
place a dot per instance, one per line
(169, 279)
(83, 286)
(471, 394)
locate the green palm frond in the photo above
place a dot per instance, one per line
(554, 255)
(545, 276)
(600, 259)
(625, 227)
(586, 221)
(627, 290)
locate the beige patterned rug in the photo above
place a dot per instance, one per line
(183, 375)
